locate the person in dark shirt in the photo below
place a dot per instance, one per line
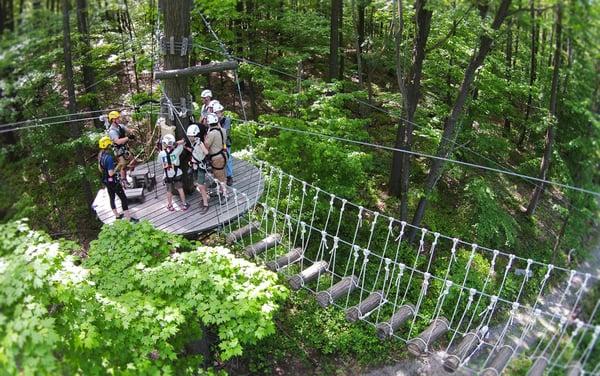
(110, 179)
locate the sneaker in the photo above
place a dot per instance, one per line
(185, 206)
(170, 208)
(204, 209)
(230, 181)
(120, 216)
(133, 220)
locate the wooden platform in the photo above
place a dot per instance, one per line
(190, 222)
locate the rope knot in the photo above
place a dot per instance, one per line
(356, 250)
(324, 239)
(454, 244)
(447, 289)
(344, 202)
(303, 187)
(511, 258)
(336, 240)
(402, 226)
(316, 196)
(366, 253)
(390, 224)
(387, 265)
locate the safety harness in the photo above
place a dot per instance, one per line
(106, 178)
(171, 166)
(222, 152)
(197, 164)
(121, 150)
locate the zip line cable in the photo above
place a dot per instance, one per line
(531, 179)
(62, 116)
(424, 155)
(46, 124)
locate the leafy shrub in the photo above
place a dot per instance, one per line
(131, 308)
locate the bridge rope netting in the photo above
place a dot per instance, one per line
(482, 308)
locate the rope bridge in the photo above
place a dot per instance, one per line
(359, 260)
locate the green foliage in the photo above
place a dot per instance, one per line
(493, 225)
(130, 308)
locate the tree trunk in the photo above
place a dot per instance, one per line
(549, 142)
(532, 69)
(86, 68)
(411, 93)
(75, 127)
(341, 42)
(508, 74)
(360, 38)
(397, 162)
(450, 129)
(10, 15)
(132, 41)
(176, 16)
(334, 39)
(561, 234)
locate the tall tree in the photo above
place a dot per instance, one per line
(486, 42)
(334, 39)
(176, 16)
(550, 131)
(532, 68)
(410, 87)
(75, 127)
(86, 68)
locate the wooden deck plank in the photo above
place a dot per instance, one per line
(167, 219)
(189, 222)
(158, 212)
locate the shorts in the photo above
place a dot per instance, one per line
(123, 161)
(201, 176)
(174, 184)
(218, 164)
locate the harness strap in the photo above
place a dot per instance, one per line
(222, 152)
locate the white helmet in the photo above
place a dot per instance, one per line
(168, 140)
(213, 103)
(212, 119)
(217, 107)
(193, 130)
(206, 93)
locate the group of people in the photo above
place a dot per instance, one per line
(210, 141)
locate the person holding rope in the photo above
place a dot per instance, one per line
(110, 179)
(120, 136)
(169, 157)
(217, 150)
(198, 167)
(225, 122)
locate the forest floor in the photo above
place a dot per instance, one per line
(553, 302)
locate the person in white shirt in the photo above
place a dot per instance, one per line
(169, 157)
(206, 96)
(199, 153)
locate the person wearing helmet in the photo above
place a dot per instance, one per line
(199, 153)
(225, 122)
(106, 165)
(120, 136)
(217, 150)
(206, 96)
(169, 157)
